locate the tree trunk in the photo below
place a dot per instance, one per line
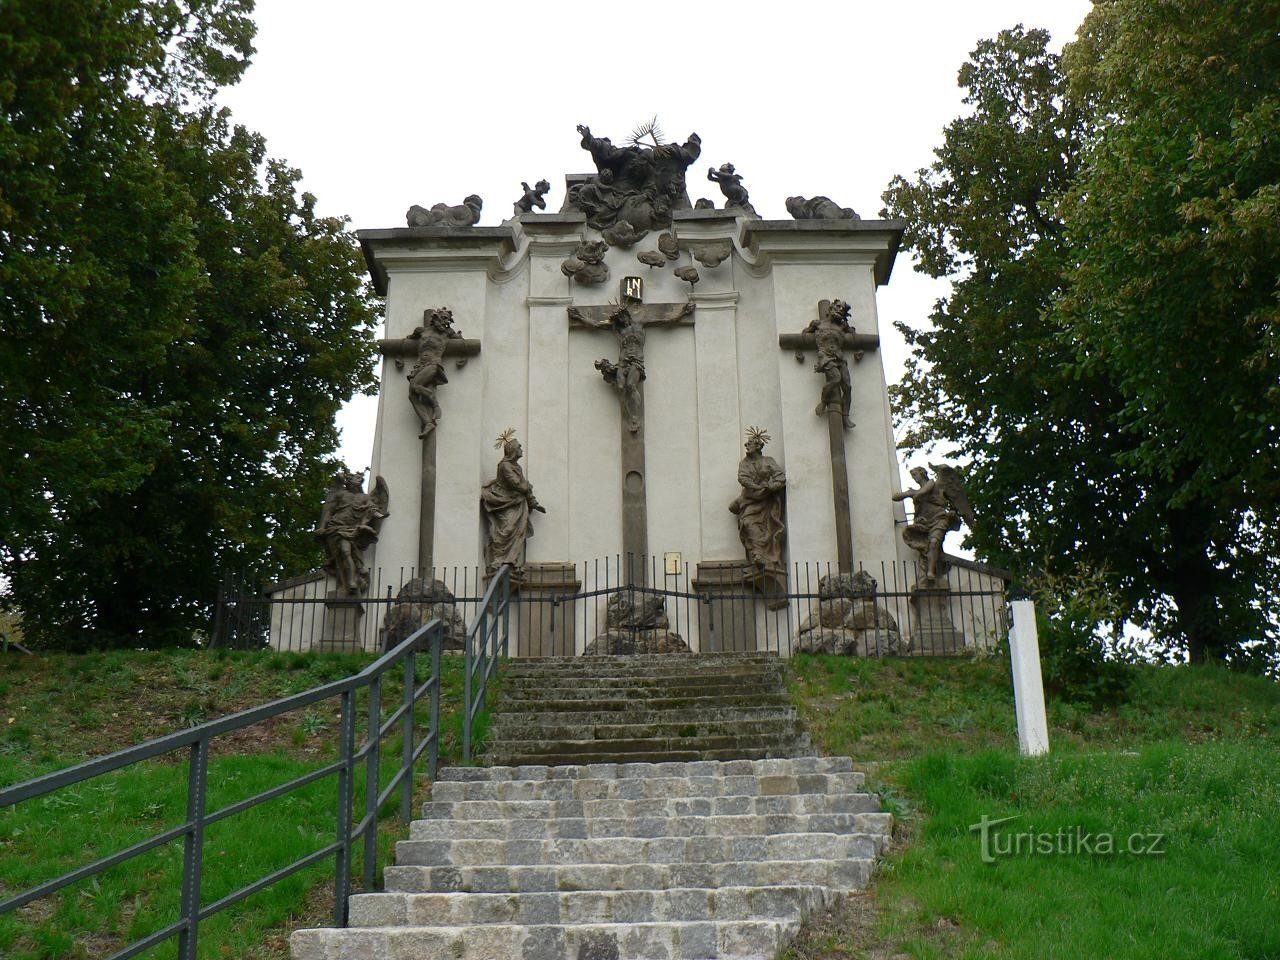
(1193, 584)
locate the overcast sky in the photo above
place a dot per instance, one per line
(387, 103)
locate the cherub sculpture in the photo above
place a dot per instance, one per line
(587, 265)
(735, 194)
(533, 197)
(348, 525)
(940, 505)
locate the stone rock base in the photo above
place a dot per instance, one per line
(849, 621)
(418, 603)
(629, 643)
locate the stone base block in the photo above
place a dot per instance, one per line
(545, 620)
(934, 634)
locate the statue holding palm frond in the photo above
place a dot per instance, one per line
(761, 512)
(506, 502)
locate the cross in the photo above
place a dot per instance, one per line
(429, 349)
(628, 319)
(831, 335)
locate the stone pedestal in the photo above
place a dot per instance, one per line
(934, 634)
(340, 631)
(545, 627)
(727, 619)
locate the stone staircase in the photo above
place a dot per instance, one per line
(645, 709)
(654, 858)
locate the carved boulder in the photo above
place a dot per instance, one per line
(849, 621)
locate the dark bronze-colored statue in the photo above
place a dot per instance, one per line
(348, 525)
(638, 183)
(506, 501)
(761, 513)
(465, 214)
(587, 265)
(735, 194)
(940, 504)
(428, 373)
(819, 208)
(533, 197)
(828, 331)
(628, 373)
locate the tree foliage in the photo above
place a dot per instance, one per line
(1110, 221)
(179, 326)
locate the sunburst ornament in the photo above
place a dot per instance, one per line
(503, 437)
(648, 129)
(758, 433)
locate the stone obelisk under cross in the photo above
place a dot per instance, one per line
(628, 320)
(831, 335)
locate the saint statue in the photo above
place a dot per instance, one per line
(348, 525)
(761, 512)
(940, 504)
(828, 331)
(628, 373)
(506, 502)
(428, 373)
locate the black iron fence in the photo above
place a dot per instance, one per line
(621, 605)
(484, 643)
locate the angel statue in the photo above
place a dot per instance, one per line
(940, 505)
(506, 501)
(761, 512)
(348, 525)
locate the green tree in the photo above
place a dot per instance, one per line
(179, 327)
(1080, 398)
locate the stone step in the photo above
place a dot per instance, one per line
(847, 874)
(691, 940)
(732, 806)
(587, 906)
(651, 664)
(639, 713)
(649, 748)
(782, 767)
(570, 754)
(640, 788)
(589, 702)
(774, 726)
(640, 682)
(588, 690)
(781, 846)
(593, 828)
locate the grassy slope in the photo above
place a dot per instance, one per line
(1192, 754)
(57, 710)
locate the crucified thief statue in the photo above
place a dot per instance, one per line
(628, 373)
(828, 331)
(428, 373)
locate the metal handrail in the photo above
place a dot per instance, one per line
(490, 629)
(198, 740)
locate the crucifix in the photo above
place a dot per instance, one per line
(628, 319)
(430, 343)
(831, 335)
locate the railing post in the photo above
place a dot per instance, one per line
(433, 755)
(467, 664)
(406, 754)
(346, 747)
(506, 617)
(193, 849)
(371, 783)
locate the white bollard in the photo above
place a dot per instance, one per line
(1028, 684)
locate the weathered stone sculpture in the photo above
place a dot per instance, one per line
(628, 373)
(735, 194)
(828, 331)
(669, 246)
(652, 258)
(587, 265)
(711, 254)
(761, 512)
(506, 501)
(688, 274)
(420, 601)
(703, 203)
(465, 214)
(848, 620)
(428, 373)
(533, 197)
(940, 504)
(623, 234)
(635, 623)
(348, 524)
(637, 183)
(819, 208)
